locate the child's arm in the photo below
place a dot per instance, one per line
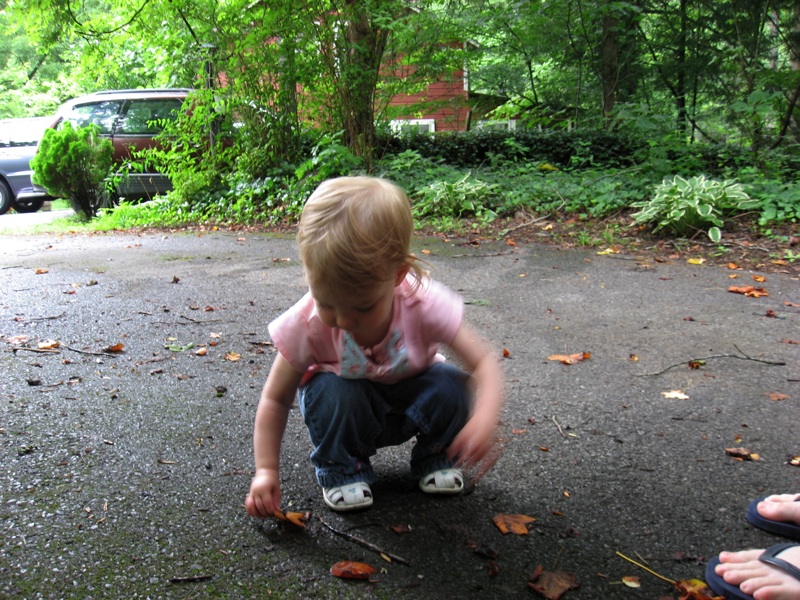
(477, 437)
(276, 400)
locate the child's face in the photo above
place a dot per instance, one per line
(365, 314)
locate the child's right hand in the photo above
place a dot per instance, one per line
(265, 494)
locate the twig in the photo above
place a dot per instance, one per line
(365, 543)
(87, 351)
(561, 431)
(190, 578)
(641, 566)
(33, 319)
(38, 350)
(696, 360)
(526, 224)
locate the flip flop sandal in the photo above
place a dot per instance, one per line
(781, 528)
(443, 481)
(351, 496)
(732, 592)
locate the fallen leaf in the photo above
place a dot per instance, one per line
(675, 395)
(794, 461)
(116, 348)
(201, 351)
(16, 340)
(694, 589)
(632, 581)
(401, 529)
(610, 250)
(552, 584)
(696, 261)
(233, 356)
(348, 569)
(794, 342)
(41, 271)
(296, 518)
(733, 266)
(777, 397)
(519, 431)
(164, 461)
(506, 353)
(749, 291)
(633, 358)
(742, 454)
(513, 523)
(771, 314)
(696, 364)
(49, 345)
(792, 304)
(570, 359)
(759, 278)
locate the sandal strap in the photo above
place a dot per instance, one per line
(770, 557)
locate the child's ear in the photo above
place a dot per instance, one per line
(402, 271)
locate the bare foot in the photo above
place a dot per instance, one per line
(758, 579)
(781, 507)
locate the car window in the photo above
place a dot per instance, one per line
(147, 116)
(102, 114)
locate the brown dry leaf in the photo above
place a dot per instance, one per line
(41, 271)
(296, 518)
(570, 359)
(632, 581)
(552, 584)
(759, 278)
(749, 291)
(792, 304)
(733, 266)
(400, 529)
(348, 569)
(506, 353)
(513, 523)
(16, 340)
(49, 345)
(794, 461)
(777, 397)
(233, 356)
(741, 454)
(694, 589)
(793, 342)
(202, 351)
(675, 395)
(115, 348)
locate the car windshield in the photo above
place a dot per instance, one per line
(23, 132)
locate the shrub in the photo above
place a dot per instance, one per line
(73, 163)
(682, 205)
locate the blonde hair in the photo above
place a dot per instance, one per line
(356, 232)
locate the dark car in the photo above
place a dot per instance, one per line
(130, 119)
(19, 139)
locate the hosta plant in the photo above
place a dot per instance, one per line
(694, 204)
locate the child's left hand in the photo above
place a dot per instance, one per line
(473, 442)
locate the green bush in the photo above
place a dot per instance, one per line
(74, 163)
(683, 205)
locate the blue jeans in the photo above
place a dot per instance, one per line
(349, 419)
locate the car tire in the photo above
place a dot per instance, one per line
(27, 206)
(6, 197)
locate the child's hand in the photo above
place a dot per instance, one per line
(473, 442)
(265, 494)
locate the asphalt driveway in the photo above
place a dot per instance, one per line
(126, 453)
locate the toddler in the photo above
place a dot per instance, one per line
(362, 349)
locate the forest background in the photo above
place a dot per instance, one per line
(679, 116)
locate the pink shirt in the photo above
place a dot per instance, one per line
(421, 320)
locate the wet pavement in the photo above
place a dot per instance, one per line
(126, 453)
